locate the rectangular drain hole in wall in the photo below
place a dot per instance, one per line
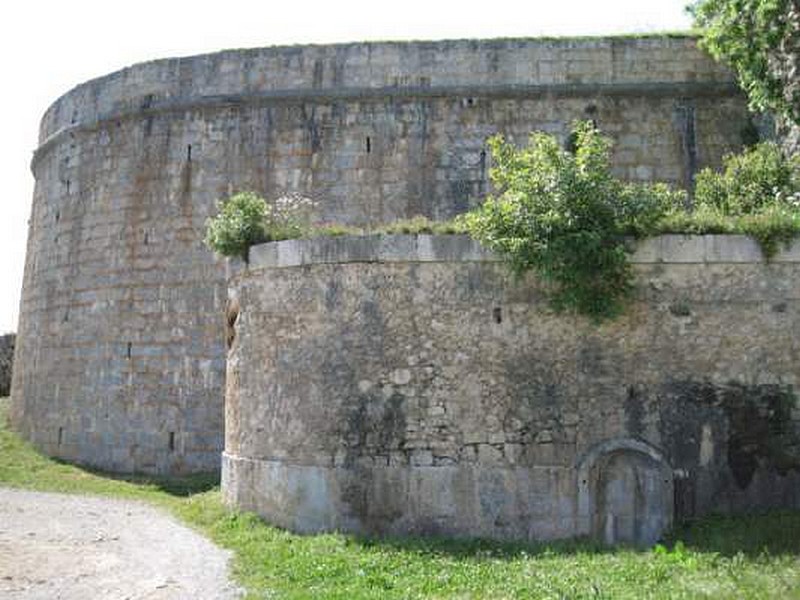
(497, 313)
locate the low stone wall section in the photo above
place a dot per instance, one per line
(411, 384)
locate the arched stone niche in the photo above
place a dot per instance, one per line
(625, 493)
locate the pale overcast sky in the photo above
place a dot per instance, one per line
(46, 48)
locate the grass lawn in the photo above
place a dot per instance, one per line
(755, 557)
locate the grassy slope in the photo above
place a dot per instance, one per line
(757, 557)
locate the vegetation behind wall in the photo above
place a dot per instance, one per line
(6, 362)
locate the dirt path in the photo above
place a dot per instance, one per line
(59, 547)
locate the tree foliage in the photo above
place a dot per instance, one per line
(565, 216)
(760, 39)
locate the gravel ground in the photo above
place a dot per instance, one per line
(60, 547)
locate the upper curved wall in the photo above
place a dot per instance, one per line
(394, 68)
(120, 356)
(380, 131)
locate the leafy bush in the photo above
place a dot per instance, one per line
(759, 39)
(565, 216)
(246, 219)
(772, 228)
(758, 177)
(757, 193)
(238, 225)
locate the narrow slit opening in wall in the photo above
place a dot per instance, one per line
(171, 441)
(369, 145)
(68, 184)
(146, 239)
(60, 435)
(189, 153)
(497, 314)
(130, 347)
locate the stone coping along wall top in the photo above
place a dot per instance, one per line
(671, 248)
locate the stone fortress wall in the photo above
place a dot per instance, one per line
(411, 384)
(121, 351)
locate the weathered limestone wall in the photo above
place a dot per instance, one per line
(410, 384)
(6, 362)
(376, 131)
(791, 139)
(121, 347)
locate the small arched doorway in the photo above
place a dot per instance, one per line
(625, 493)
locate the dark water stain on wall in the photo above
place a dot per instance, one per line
(753, 425)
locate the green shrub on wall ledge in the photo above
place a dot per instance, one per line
(238, 225)
(757, 193)
(246, 219)
(562, 214)
(751, 181)
(565, 216)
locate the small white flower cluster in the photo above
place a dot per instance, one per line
(789, 199)
(293, 202)
(290, 216)
(291, 207)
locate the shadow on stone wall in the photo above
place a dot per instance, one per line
(6, 362)
(772, 534)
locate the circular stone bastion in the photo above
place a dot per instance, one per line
(120, 358)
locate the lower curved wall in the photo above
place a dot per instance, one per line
(409, 384)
